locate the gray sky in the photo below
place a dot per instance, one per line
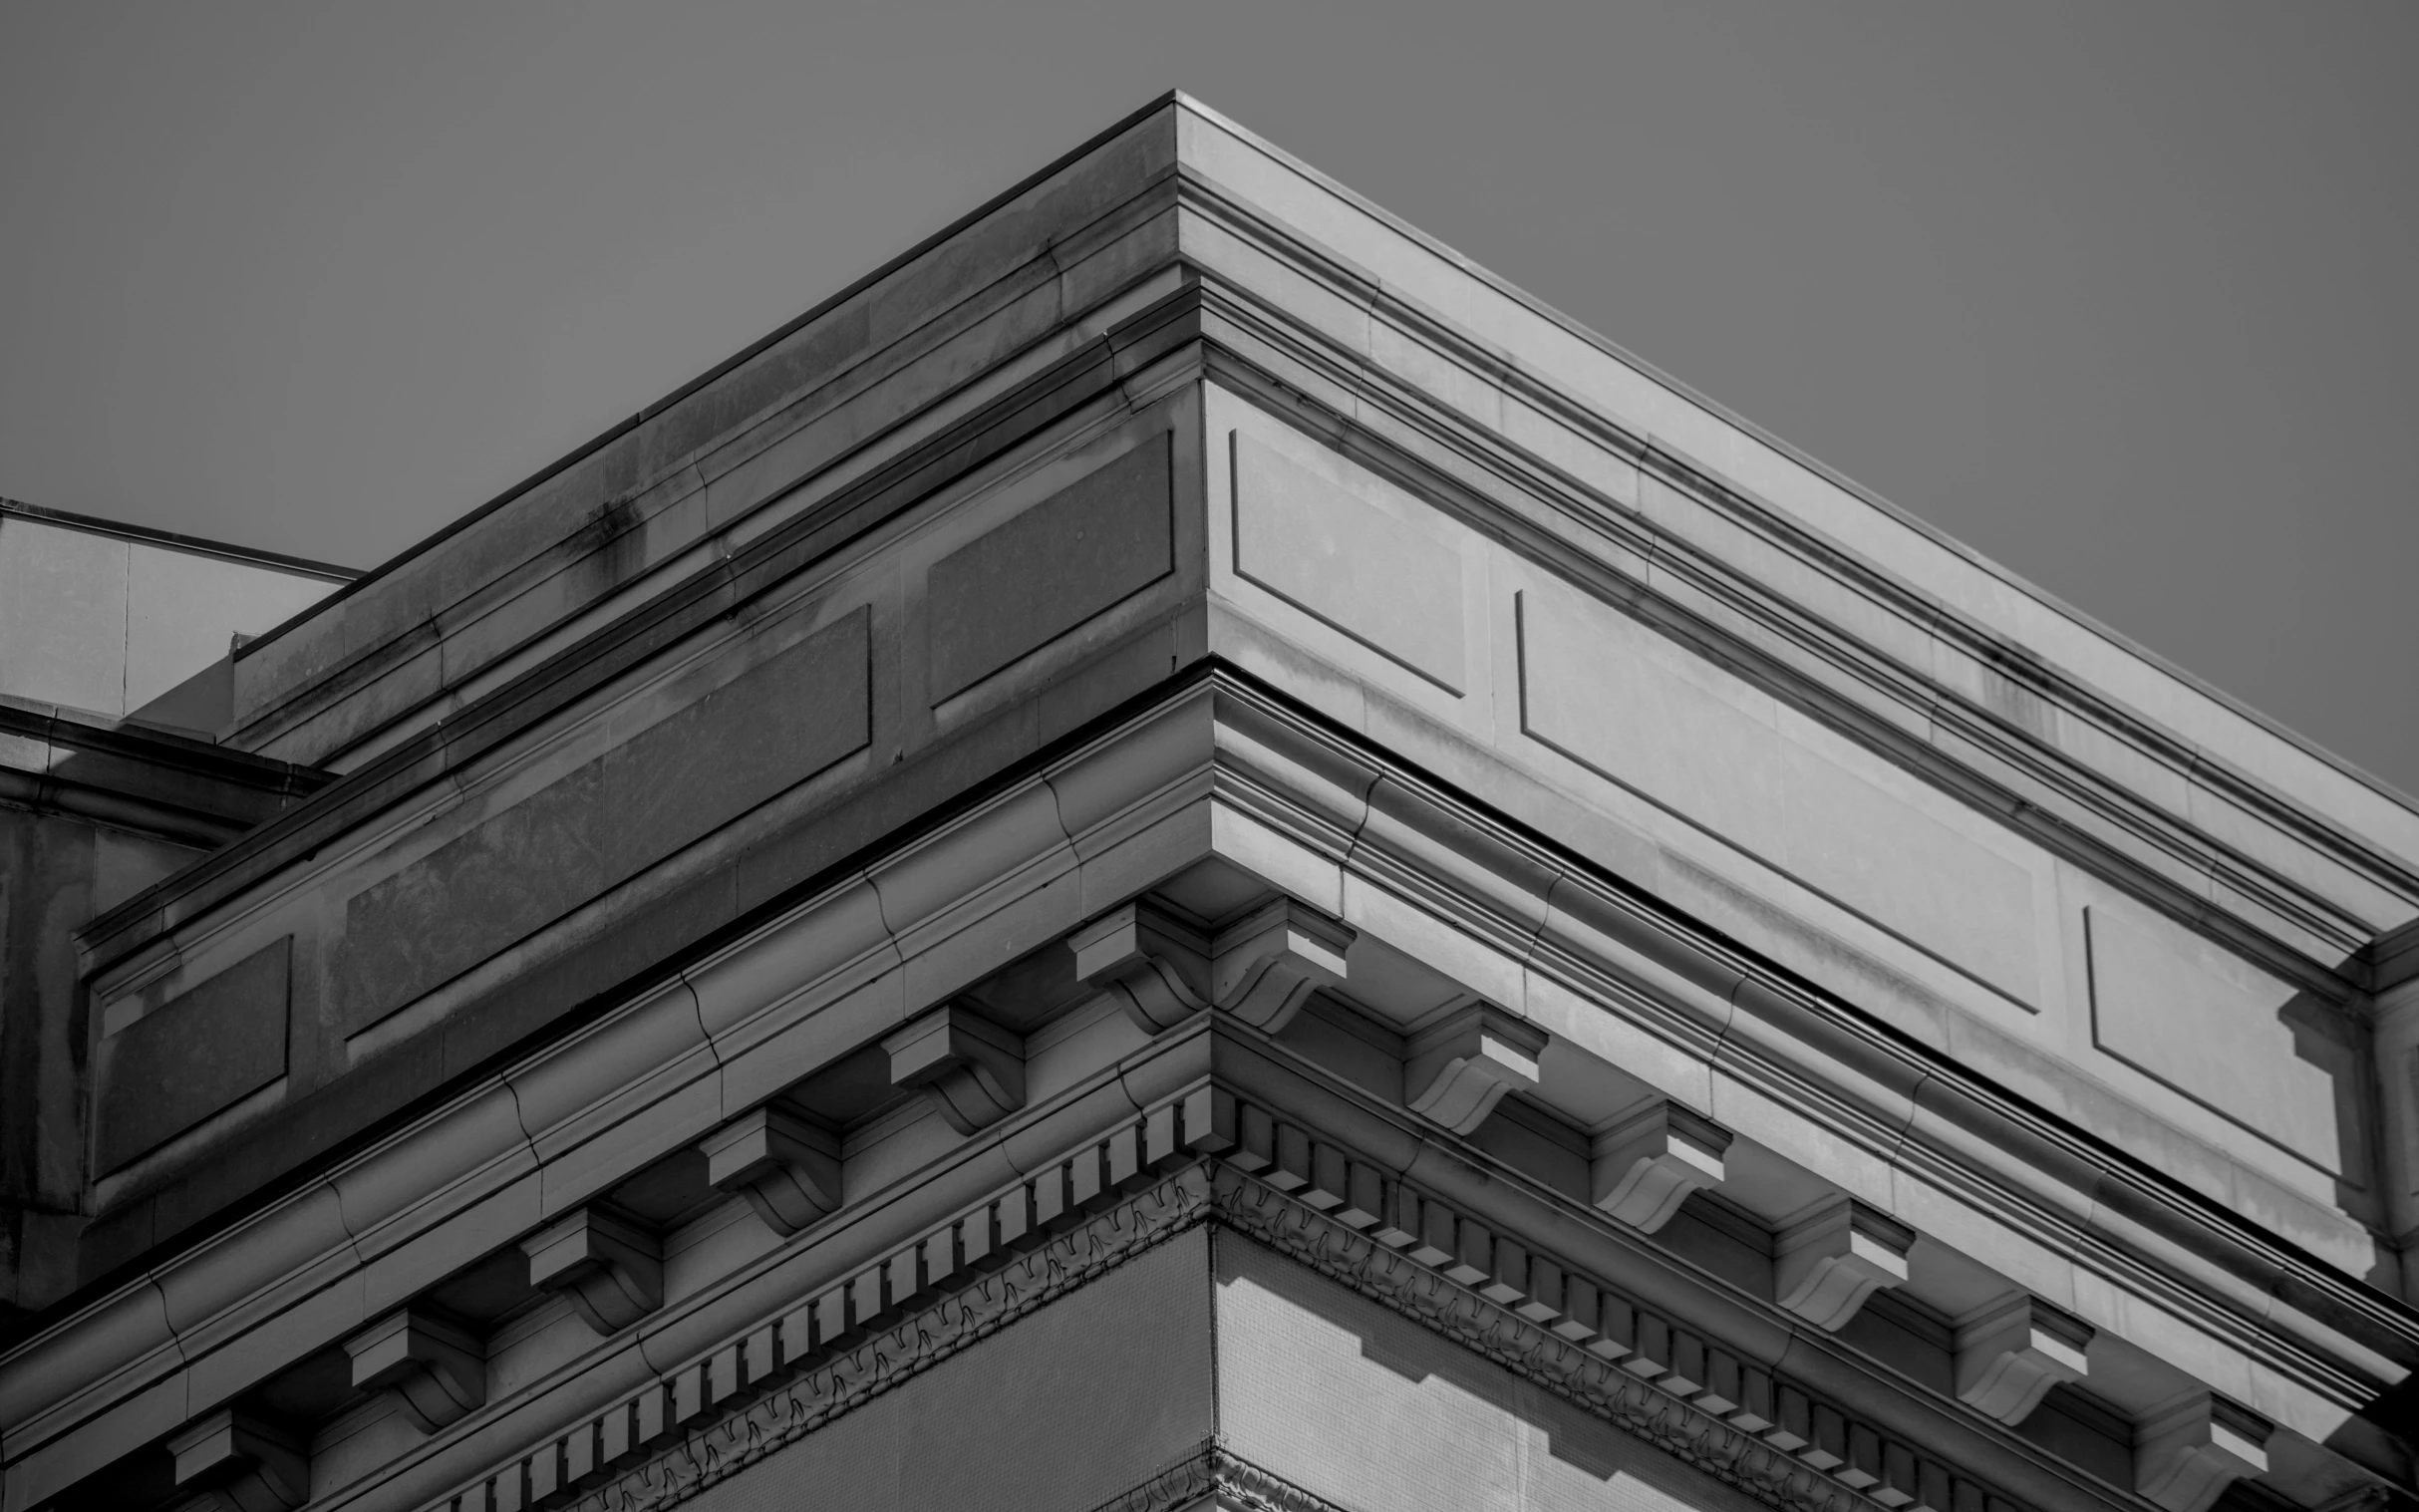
(2121, 295)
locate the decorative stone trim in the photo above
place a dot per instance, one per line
(1153, 964)
(788, 1379)
(235, 1461)
(1828, 1260)
(1458, 1069)
(1228, 1162)
(2009, 1353)
(1265, 967)
(1645, 1166)
(787, 1168)
(2187, 1453)
(435, 1367)
(609, 1266)
(1214, 1471)
(969, 1068)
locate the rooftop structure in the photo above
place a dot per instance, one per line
(1182, 849)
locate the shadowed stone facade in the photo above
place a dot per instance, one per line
(1180, 852)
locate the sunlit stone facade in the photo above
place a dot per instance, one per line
(1182, 853)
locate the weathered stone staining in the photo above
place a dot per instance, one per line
(605, 1264)
(2187, 1453)
(434, 1364)
(1155, 965)
(786, 1167)
(972, 1070)
(2009, 1353)
(1828, 1260)
(1164, 840)
(1460, 1067)
(238, 1460)
(1645, 1166)
(1264, 966)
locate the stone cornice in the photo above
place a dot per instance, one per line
(485, 728)
(125, 776)
(1387, 271)
(1798, 648)
(1243, 751)
(1859, 1078)
(745, 1401)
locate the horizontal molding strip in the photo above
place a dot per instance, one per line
(1920, 697)
(873, 1330)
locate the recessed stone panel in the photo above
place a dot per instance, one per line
(1334, 541)
(1910, 872)
(1102, 538)
(1637, 708)
(2224, 1034)
(764, 731)
(1612, 695)
(194, 1055)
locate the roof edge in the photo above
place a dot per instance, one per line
(194, 545)
(1811, 463)
(738, 359)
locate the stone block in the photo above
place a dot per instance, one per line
(196, 1054)
(1027, 582)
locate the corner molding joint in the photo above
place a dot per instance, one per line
(1153, 964)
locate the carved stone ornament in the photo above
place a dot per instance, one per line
(2188, 1452)
(1264, 967)
(1459, 1068)
(607, 1266)
(1828, 1261)
(1642, 1168)
(789, 1376)
(2009, 1353)
(971, 1068)
(1153, 964)
(788, 1168)
(235, 1461)
(434, 1366)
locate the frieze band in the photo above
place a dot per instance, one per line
(864, 1336)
